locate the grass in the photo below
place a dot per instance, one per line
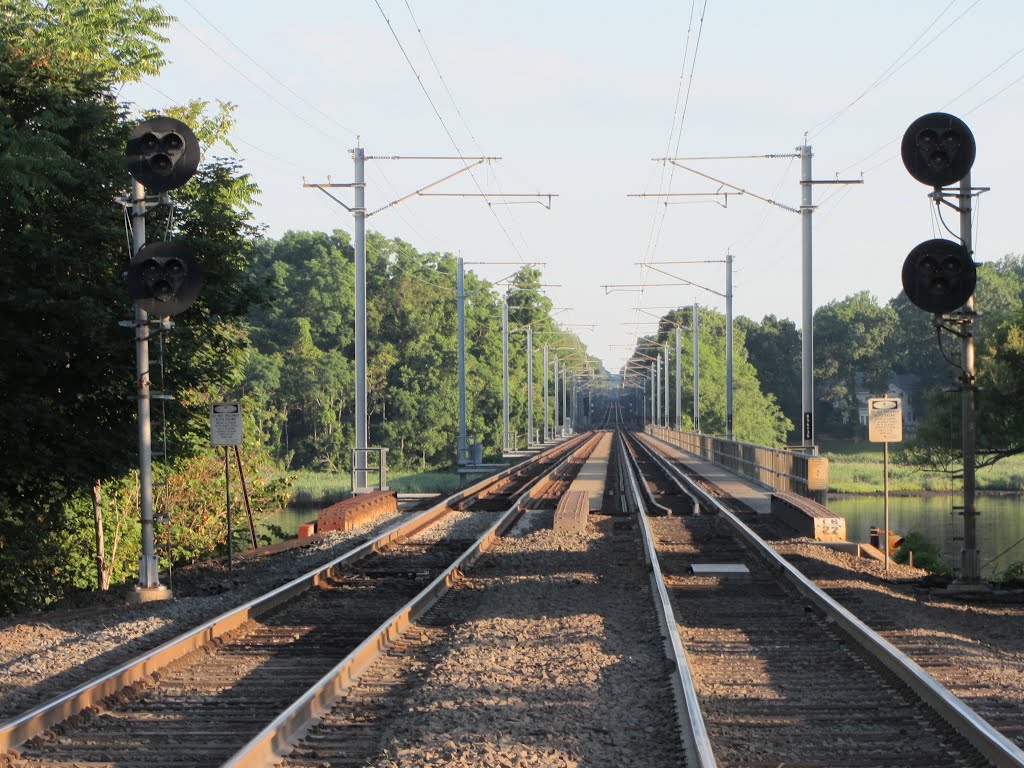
(856, 468)
(324, 488)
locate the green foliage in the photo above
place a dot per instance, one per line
(1012, 573)
(774, 347)
(66, 377)
(756, 415)
(926, 555)
(849, 344)
(301, 372)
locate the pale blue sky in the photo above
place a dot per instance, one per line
(578, 97)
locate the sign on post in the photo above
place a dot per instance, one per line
(885, 425)
(226, 424)
(885, 419)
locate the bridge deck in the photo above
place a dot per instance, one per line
(756, 497)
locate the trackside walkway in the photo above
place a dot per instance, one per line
(756, 497)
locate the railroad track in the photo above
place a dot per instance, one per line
(779, 673)
(197, 700)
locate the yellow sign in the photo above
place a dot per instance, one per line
(885, 419)
(817, 474)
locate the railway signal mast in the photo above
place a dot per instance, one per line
(939, 276)
(164, 279)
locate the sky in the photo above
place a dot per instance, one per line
(578, 99)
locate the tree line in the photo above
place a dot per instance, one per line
(273, 329)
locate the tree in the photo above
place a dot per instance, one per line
(774, 348)
(849, 343)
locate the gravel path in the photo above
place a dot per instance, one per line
(546, 654)
(42, 655)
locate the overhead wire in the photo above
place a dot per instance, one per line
(892, 69)
(462, 118)
(254, 84)
(444, 125)
(266, 72)
(675, 132)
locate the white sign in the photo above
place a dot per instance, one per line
(226, 424)
(885, 419)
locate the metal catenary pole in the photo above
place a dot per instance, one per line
(555, 427)
(545, 430)
(970, 557)
(679, 381)
(504, 379)
(654, 395)
(728, 346)
(359, 214)
(462, 448)
(657, 389)
(666, 418)
(529, 387)
(565, 413)
(807, 322)
(696, 367)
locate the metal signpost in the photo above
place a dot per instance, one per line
(885, 425)
(226, 430)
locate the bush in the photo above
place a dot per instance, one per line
(926, 555)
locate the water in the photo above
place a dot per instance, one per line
(290, 518)
(1000, 524)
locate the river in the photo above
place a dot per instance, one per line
(1000, 524)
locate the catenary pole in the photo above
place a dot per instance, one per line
(505, 442)
(359, 216)
(665, 416)
(529, 387)
(696, 368)
(555, 426)
(545, 394)
(679, 382)
(728, 346)
(463, 448)
(807, 348)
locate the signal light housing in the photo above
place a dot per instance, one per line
(162, 153)
(164, 278)
(938, 149)
(939, 276)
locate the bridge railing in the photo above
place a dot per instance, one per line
(776, 468)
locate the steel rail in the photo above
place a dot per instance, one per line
(692, 731)
(37, 720)
(277, 739)
(975, 729)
